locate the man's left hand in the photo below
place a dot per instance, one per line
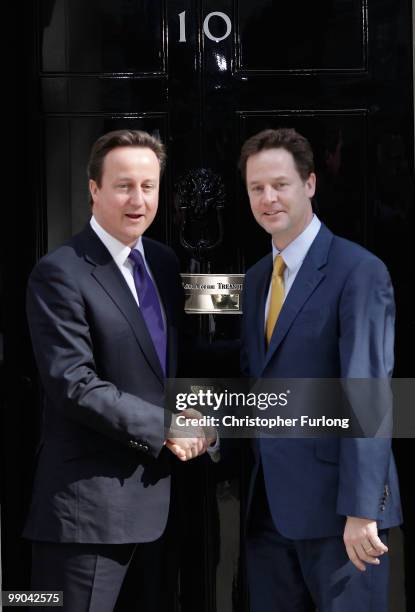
(362, 542)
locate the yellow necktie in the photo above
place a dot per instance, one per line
(277, 296)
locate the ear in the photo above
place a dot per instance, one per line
(93, 190)
(310, 185)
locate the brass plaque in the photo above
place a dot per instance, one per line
(213, 293)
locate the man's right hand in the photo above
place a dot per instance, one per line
(194, 443)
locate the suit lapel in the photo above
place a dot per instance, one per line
(162, 282)
(308, 278)
(260, 298)
(107, 274)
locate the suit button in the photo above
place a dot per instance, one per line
(133, 444)
(145, 448)
(387, 491)
(382, 507)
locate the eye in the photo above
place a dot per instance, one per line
(148, 187)
(122, 186)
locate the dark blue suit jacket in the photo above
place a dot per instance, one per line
(336, 322)
(103, 475)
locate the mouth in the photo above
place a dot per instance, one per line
(272, 213)
(134, 217)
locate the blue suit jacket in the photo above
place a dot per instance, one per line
(336, 322)
(103, 474)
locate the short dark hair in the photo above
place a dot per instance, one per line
(282, 138)
(122, 138)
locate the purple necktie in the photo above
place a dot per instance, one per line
(149, 305)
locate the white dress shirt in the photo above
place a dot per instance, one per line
(120, 252)
(293, 256)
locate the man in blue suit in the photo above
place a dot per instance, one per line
(318, 307)
(104, 312)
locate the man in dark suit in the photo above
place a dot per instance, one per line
(318, 307)
(104, 312)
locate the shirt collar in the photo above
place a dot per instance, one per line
(295, 252)
(119, 251)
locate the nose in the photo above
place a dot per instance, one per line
(270, 194)
(137, 196)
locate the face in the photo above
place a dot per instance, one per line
(279, 198)
(126, 203)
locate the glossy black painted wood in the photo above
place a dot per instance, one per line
(102, 36)
(328, 36)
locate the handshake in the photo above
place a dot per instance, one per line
(192, 440)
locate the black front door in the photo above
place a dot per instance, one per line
(205, 75)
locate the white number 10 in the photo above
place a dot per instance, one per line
(206, 30)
